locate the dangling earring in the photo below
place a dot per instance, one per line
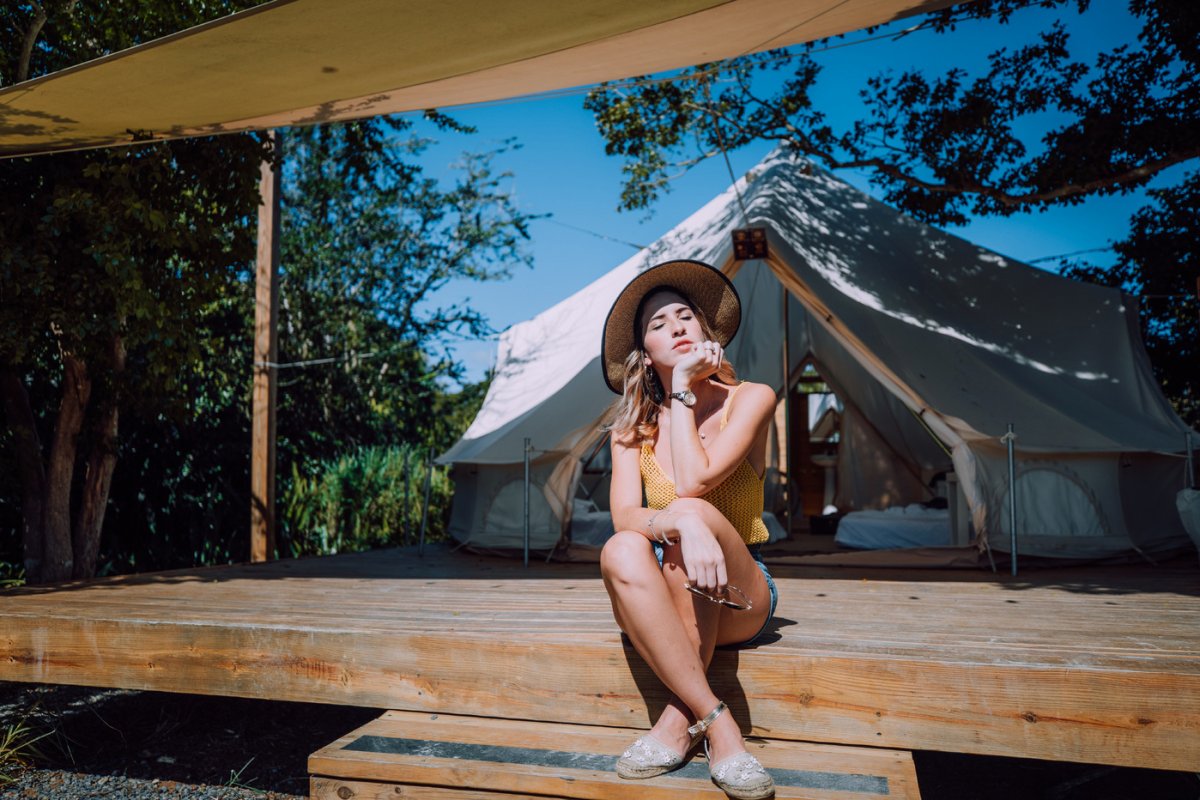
(654, 386)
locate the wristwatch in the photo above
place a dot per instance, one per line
(686, 397)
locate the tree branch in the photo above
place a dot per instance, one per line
(58, 563)
(1007, 199)
(97, 481)
(31, 34)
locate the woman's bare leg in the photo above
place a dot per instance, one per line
(644, 609)
(676, 632)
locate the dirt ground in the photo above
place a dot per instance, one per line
(123, 744)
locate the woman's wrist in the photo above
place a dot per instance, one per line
(661, 526)
(680, 381)
(656, 526)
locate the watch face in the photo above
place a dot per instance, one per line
(688, 398)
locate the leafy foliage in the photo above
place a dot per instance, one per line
(108, 261)
(134, 243)
(1160, 262)
(944, 147)
(371, 498)
(152, 246)
(369, 241)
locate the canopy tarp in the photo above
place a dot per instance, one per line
(297, 62)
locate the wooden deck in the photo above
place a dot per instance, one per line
(1089, 665)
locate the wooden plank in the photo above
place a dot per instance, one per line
(266, 351)
(1062, 713)
(324, 788)
(577, 761)
(1095, 666)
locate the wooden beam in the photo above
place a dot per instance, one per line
(266, 351)
(1096, 666)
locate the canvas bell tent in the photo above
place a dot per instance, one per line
(932, 345)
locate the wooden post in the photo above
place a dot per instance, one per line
(266, 351)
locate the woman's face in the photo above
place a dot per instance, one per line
(670, 328)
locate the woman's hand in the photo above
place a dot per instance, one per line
(702, 554)
(704, 360)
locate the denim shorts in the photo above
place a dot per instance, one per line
(757, 556)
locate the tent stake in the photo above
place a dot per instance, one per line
(787, 416)
(425, 508)
(527, 502)
(1012, 497)
(1191, 468)
(407, 454)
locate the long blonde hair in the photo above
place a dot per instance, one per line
(643, 393)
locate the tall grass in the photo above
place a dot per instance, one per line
(18, 747)
(364, 500)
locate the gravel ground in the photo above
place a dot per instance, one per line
(104, 743)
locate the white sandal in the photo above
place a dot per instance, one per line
(740, 776)
(648, 757)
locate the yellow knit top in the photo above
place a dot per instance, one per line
(739, 497)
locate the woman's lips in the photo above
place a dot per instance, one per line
(682, 343)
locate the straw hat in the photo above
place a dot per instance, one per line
(707, 289)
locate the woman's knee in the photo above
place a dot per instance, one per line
(622, 553)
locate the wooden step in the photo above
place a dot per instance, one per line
(442, 757)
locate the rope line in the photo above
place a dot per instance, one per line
(597, 235)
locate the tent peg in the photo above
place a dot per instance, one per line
(528, 450)
(1009, 438)
(406, 476)
(1191, 466)
(425, 508)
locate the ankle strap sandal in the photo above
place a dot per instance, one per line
(703, 725)
(740, 776)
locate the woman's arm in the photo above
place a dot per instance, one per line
(702, 555)
(625, 493)
(696, 469)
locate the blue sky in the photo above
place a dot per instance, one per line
(561, 168)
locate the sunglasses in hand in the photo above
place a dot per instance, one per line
(742, 603)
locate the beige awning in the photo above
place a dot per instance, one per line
(295, 62)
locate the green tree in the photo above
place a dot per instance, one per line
(1160, 262)
(368, 242)
(105, 259)
(1036, 128)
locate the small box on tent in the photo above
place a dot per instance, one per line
(749, 243)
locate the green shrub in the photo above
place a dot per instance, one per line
(364, 500)
(11, 575)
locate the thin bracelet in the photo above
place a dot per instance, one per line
(661, 538)
(650, 526)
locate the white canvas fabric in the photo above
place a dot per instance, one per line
(933, 345)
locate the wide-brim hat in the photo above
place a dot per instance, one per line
(704, 286)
